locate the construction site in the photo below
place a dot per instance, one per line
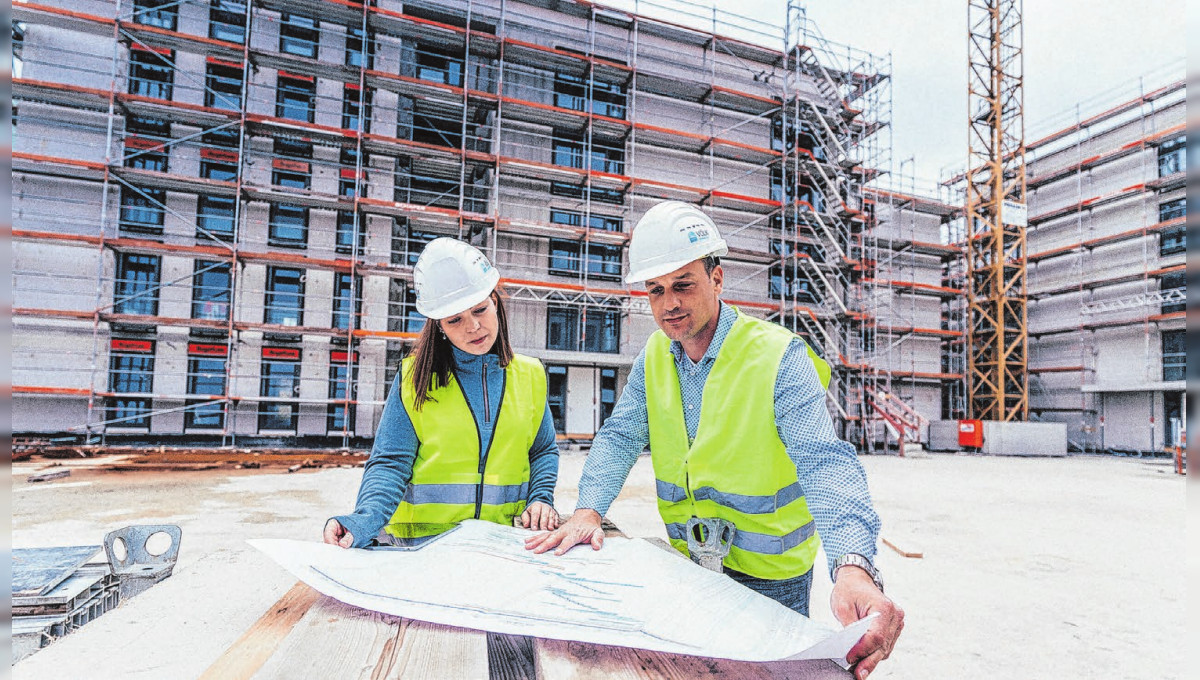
(217, 206)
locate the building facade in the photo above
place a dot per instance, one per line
(217, 205)
(1107, 268)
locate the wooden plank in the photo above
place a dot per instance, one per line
(259, 642)
(510, 657)
(47, 475)
(337, 640)
(558, 659)
(902, 553)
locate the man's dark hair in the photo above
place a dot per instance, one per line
(710, 263)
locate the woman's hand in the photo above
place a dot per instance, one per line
(540, 517)
(336, 534)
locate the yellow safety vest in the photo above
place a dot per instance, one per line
(737, 468)
(451, 480)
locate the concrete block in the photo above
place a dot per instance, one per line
(1024, 439)
(943, 435)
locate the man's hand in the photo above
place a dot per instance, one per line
(539, 517)
(583, 527)
(336, 534)
(855, 597)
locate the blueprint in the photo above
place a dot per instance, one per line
(629, 593)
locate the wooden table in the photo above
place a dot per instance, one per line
(309, 635)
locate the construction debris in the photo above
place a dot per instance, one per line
(55, 591)
(902, 553)
(48, 475)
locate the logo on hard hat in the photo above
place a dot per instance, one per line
(696, 232)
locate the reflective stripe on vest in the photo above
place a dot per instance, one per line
(447, 483)
(737, 468)
(418, 494)
(750, 505)
(759, 543)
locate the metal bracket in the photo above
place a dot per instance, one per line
(709, 540)
(139, 568)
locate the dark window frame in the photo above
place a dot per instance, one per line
(1173, 239)
(210, 211)
(159, 13)
(337, 417)
(556, 395)
(227, 21)
(1170, 281)
(342, 317)
(1172, 156)
(278, 376)
(351, 110)
(136, 285)
(354, 47)
(582, 332)
(279, 304)
(223, 87)
(608, 393)
(1174, 355)
(296, 95)
(438, 66)
(344, 236)
(218, 170)
(299, 35)
(141, 210)
(205, 377)
(210, 291)
(151, 74)
(282, 231)
(130, 373)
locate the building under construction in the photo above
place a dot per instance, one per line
(217, 206)
(1107, 268)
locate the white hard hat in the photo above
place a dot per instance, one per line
(450, 277)
(669, 236)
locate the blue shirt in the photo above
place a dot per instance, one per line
(830, 474)
(389, 469)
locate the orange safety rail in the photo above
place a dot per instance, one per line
(1089, 203)
(50, 391)
(1100, 159)
(1088, 122)
(1111, 238)
(1107, 281)
(1156, 318)
(939, 291)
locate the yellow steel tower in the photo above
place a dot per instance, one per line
(997, 338)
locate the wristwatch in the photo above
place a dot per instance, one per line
(856, 560)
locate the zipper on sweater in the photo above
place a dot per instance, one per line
(487, 411)
(484, 454)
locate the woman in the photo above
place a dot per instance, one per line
(467, 431)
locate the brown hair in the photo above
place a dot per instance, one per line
(434, 354)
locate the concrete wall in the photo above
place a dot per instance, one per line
(1118, 350)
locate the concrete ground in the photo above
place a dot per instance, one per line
(1032, 567)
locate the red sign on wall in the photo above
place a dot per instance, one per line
(126, 345)
(222, 62)
(340, 358)
(219, 155)
(290, 166)
(285, 353)
(141, 143)
(205, 350)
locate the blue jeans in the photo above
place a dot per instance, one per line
(789, 592)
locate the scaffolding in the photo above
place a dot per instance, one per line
(1108, 171)
(300, 154)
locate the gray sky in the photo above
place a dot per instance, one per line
(1076, 52)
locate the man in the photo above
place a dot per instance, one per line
(733, 410)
